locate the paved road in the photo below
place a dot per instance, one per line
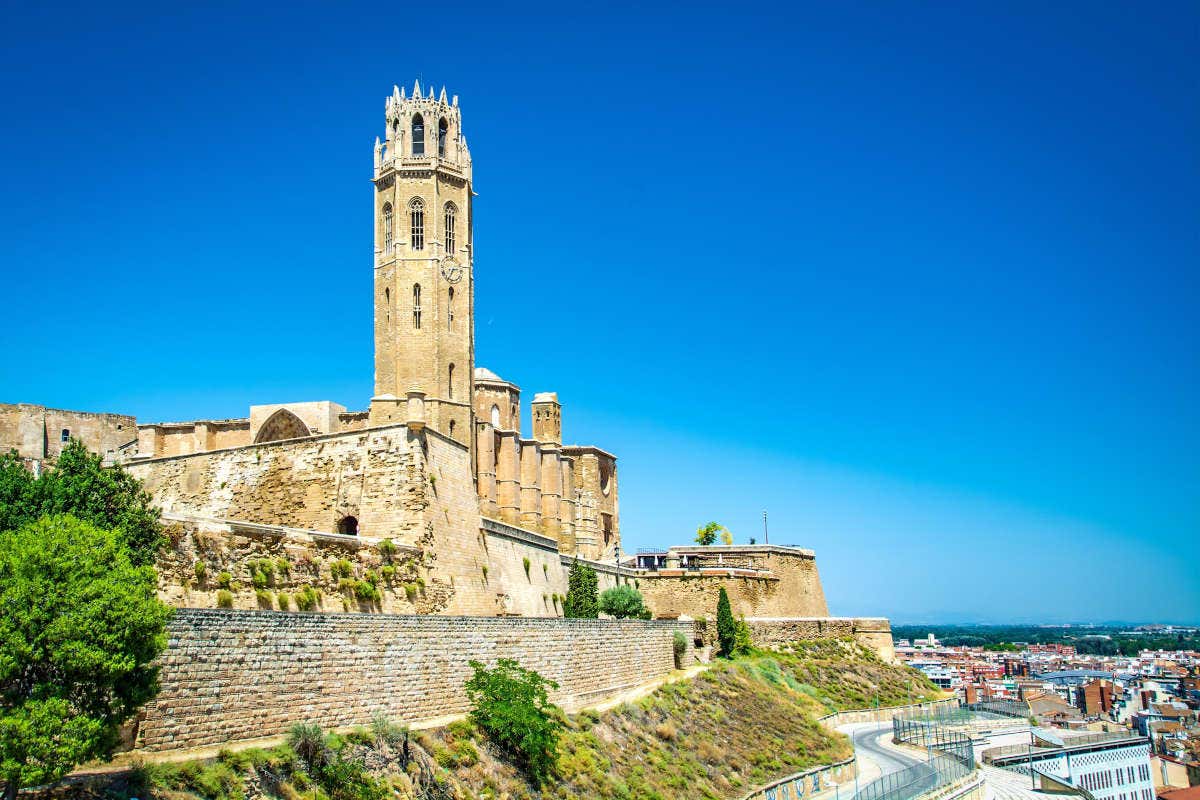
(866, 745)
(880, 760)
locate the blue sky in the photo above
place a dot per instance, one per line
(919, 280)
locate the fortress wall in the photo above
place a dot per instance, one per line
(414, 488)
(874, 633)
(792, 590)
(235, 675)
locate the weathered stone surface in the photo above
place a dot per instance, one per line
(234, 675)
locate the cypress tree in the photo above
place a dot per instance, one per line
(583, 597)
(726, 626)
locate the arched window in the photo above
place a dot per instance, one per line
(387, 297)
(416, 212)
(418, 139)
(416, 305)
(450, 383)
(451, 427)
(442, 128)
(387, 226)
(348, 526)
(451, 212)
(495, 416)
(450, 309)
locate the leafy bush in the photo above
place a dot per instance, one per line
(510, 704)
(410, 591)
(264, 597)
(341, 568)
(201, 571)
(80, 485)
(623, 602)
(258, 580)
(284, 566)
(388, 548)
(389, 572)
(679, 647)
(284, 600)
(741, 638)
(726, 626)
(224, 599)
(225, 580)
(80, 630)
(581, 601)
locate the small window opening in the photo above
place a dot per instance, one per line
(495, 416)
(66, 434)
(418, 139)
(442, 128)
(451, 427)
(348, 526)
(450, 310)
(450, 383)
(416, 305)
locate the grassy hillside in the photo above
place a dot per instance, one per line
(739, 724)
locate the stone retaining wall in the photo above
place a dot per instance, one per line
(229, 676)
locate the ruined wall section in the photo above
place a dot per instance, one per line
(37, 433)
(268, 671)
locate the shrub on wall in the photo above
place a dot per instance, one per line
(623, 602)
(306, 598)
(341, 569)
(225, 580)
(511, 705)
(525, 562)
(224, 599)
(581, 601)
(201, 571)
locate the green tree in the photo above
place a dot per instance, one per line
(80, 485)
(16, 493)
(623, 602)
(79, 629)
(511, 705)
(726, 626)
(707, 534)
(582, 601)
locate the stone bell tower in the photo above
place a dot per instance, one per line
(424, 282)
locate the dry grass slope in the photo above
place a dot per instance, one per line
(737, 725)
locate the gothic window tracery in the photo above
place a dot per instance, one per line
(451, 213)
(387, 226)
(416, 211)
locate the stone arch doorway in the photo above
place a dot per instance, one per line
(283, 424)
(348, 526)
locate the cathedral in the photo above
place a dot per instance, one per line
(429, 500)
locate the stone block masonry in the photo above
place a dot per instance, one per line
(229, 676)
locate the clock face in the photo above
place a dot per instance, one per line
(451, 271)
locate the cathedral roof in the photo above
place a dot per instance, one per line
(485, 374)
